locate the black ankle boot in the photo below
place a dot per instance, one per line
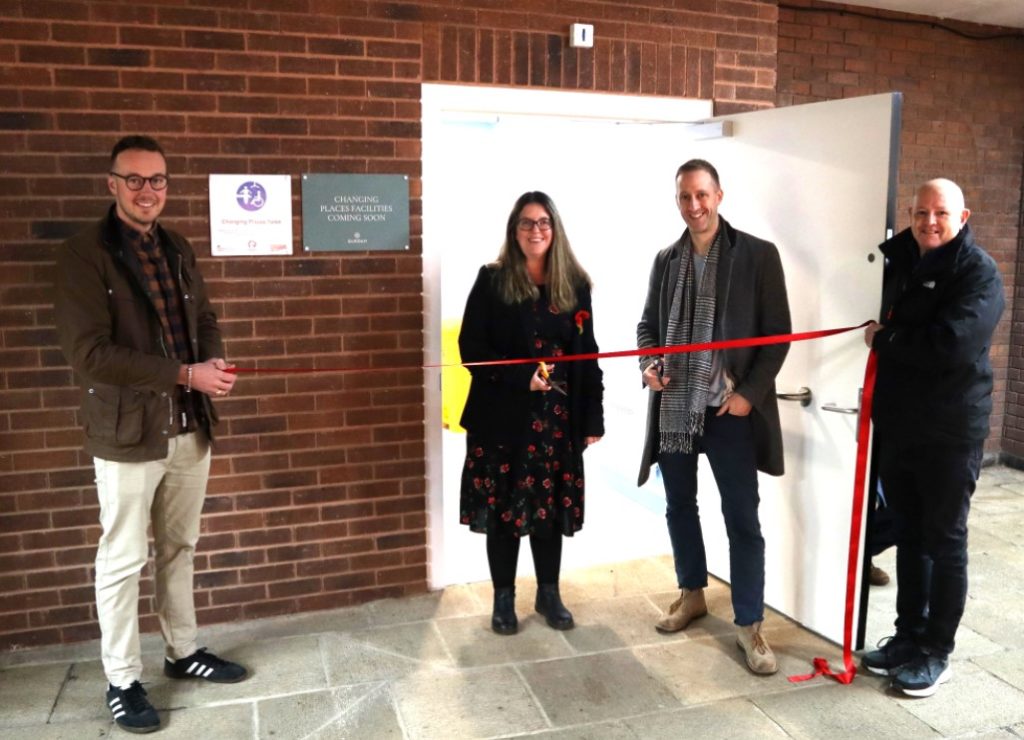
(503, 618)
(549, 603)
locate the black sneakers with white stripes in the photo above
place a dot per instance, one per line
(131, 709)
(204, 664)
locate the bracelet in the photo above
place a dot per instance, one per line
(188, 378)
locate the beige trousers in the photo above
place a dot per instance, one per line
(169, 493)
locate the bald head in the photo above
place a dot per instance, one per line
(938, 213)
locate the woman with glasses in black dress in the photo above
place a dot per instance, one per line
(528, 424)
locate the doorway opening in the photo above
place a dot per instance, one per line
(608, 163)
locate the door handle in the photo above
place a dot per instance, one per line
(803, 396)
(839, 409)
(845, 409)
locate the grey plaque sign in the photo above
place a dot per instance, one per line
(354, 213)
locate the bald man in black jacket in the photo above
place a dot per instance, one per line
(942, 298)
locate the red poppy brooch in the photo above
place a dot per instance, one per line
(580, 317)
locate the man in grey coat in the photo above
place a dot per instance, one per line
(714, 283)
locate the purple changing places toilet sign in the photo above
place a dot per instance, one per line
(250, 214)
(251, 196)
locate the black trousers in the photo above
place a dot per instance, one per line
(503, 557)
(929, 487)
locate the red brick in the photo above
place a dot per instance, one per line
(411, 574)
(240, 595)
(349, 581)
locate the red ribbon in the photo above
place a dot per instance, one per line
(821, 666)
(645, 352)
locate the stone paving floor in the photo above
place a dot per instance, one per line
(429, 667)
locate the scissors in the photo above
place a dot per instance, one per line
(556, 385)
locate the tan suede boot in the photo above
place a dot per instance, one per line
(689, 606)
(760, 658)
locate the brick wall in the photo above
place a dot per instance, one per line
(316, 498)
(1013, 428)
(963, 118)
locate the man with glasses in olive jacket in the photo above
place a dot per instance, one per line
(135, 323)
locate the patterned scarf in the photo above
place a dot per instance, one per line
(691, 321)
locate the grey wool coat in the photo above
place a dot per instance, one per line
(751, 302)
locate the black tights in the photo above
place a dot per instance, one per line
(503, 556)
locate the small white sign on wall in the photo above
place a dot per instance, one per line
(250, 215)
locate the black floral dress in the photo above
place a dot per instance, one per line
(536, 488)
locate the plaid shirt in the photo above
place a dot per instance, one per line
(164, 292)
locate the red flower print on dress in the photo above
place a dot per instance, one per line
(506, 516)
(581, 316)
(566, 502)
(537, 426)
(504, 467)
(542, 513)
(479, 452)
(547, 483)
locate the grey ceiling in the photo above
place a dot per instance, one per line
(988, 12)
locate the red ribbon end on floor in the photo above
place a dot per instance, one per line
(856, 517)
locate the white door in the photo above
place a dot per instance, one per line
(793, 175)
(818, 180)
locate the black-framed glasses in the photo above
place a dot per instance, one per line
(137, 182)
(528, 224)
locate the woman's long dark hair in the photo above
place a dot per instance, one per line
(564, 273)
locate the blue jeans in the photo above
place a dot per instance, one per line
(929, 487)
(728, 442)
